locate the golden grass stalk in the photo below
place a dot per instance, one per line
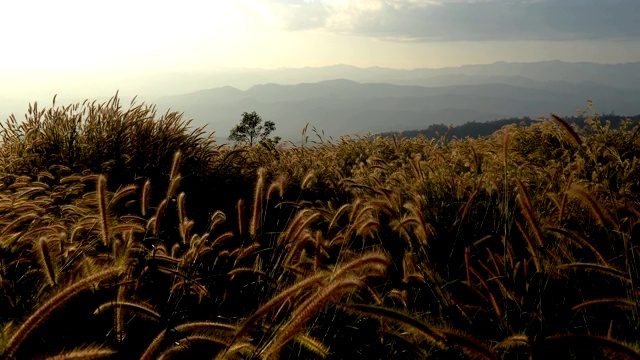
(598, 213)
(241, 220)
(188, 341)
(256, 216)
(603, 269)
(159, 213)
(623, 303)
(513, 341)
(305, 311)
(530, 246)
(592, 341)
(139, 308)
(144, 197)
(56, 302)
(314, 345)
(251, 321)
(122, 193)
(372, 261)
(567, 129)
(217, 218)
(153, 347)
(580, 241)
(199, 326)
(470, 345)
(102, 207)
(529, 214)
(175, 165)
(84, 354)
(277, 186)
(425, 330)
(45, 258)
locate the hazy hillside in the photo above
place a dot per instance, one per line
(345, 106)
(345, 99)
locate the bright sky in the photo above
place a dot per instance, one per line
(80, 44)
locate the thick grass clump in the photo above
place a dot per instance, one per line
(124, 235)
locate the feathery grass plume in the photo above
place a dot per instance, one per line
(22, 218)
(580, 241)
(603, 269)
(47, 262)
(188, 341)
(306, 182)
(467, 266)
(598, 213)
(373, 261)
(409, 268)
(492, 298)
(622, 303)
(144, 197)
(175, 165)
(151, 350)
(305, 311)
(96, 352)
(181, 210)
(513, 341)
(524, 201)
(122, 193)
(567, 129)
(173, 186)
(277, 186)
(295, 228)
(217, 218)
(241, 220)
(200, 326)
(139, 308)
(336, 216)
(256, 216)
(530, 246)
(158, 217)
(473, 347)
(56, 302)
(397, 317)
(102, 207)
(251, 321)
(592, 341)
(314, 345)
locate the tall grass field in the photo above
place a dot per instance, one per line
(127, 234)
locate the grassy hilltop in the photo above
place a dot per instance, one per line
(129, 235)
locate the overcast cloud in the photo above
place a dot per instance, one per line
(467, 20)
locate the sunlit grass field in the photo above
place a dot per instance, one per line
(126, 234)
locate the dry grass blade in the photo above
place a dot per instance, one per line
(140, 309)
(59, 300)
(102, 207)
(567, 129)
(84, 354)
(250, 322)
(623, 303)
(144, 197)
(393, 315)
(592, 341)
(599, 214)
(256, 216)
(305, 311)
(47, 262)
(470, 345)
(607, 270)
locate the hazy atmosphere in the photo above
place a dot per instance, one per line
(154, 49)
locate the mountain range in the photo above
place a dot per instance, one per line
(368, 100)
(343, 99)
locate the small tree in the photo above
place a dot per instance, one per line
(251, 130)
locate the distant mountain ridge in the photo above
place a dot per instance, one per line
(341, 106)
(343, 99)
